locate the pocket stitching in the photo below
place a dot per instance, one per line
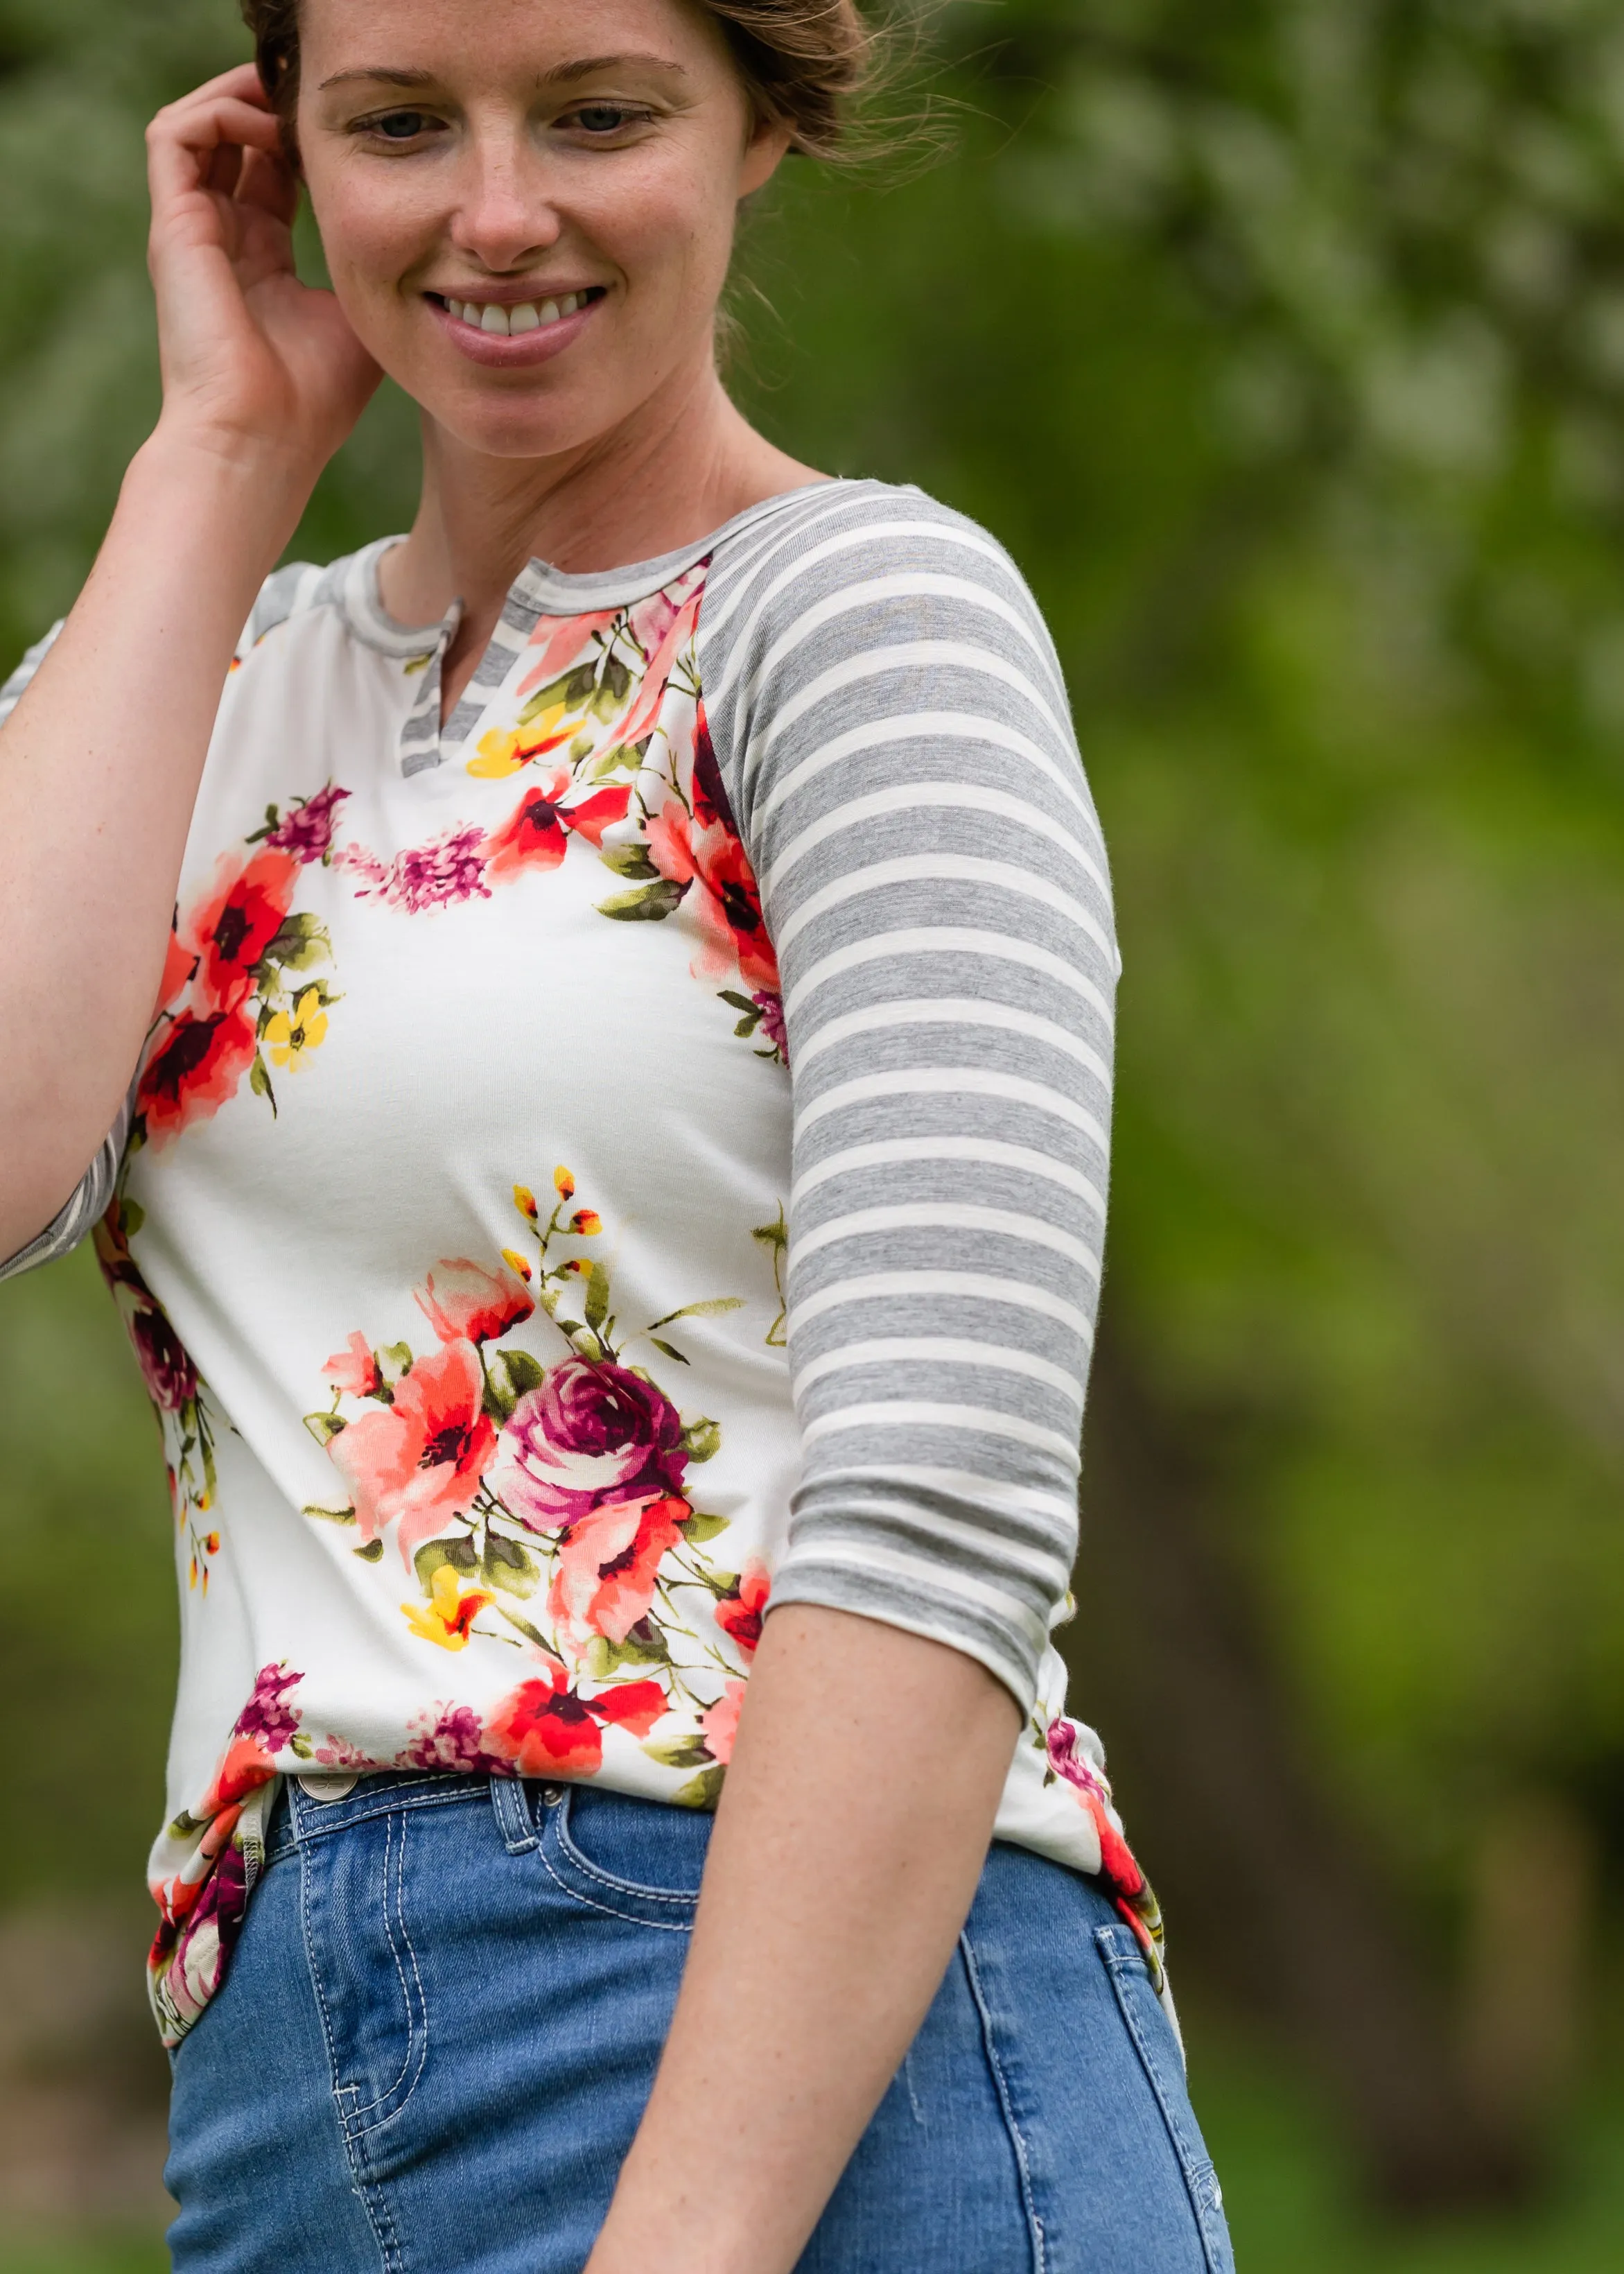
(1034, 2223)
(1199, 2173)
(590, 1903)
(608, 1879)
(417, 2036)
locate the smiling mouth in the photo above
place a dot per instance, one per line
(503, 318)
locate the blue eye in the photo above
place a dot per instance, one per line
(400, 125)
(602, 117)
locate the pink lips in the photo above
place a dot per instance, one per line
(508, 352)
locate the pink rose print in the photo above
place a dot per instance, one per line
(592, 1432)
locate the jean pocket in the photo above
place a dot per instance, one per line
(634, 1859)
(368, 1983)
(1157, 2047)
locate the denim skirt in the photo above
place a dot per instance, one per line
(440, 2026)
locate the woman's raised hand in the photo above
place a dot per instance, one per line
(255, 365)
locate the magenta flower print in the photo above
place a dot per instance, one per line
(592, 1432)
(307, 829)
(165, 1364)
(449, 1737)
(450, 868)
(267, 1716)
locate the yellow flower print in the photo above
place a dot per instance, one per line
(505, 750)
(515, 1262)
(289, 1036)
(587, 1222)
(564, 1184)
(447, 1616)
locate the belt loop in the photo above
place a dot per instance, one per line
(510, 1804)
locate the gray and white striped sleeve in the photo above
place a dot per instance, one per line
(889, 719)
(94, 1189)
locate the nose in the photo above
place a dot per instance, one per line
(504, 213)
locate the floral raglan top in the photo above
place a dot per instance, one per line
(631, 1156)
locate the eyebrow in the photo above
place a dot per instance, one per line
(566, 75)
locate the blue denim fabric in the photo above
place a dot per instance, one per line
(441, 2027)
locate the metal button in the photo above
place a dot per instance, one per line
(329, 1788)
(551, 1794)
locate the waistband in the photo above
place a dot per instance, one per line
(310, 1806)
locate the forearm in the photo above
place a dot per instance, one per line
(855, 1819)
(99, 769)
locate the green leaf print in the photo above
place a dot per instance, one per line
(678, 1753)
(628, 861)
(373, 1553)
(702, 1439)
(324, 1427)
(302, 943)
(603, 1660)
(508, 1566)
(597, 1298)
(702, 1791)
(314, 1507)
(700, 1528)
(648, 903)
(523, 1371)
(461, 1553)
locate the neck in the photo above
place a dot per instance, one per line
(686, 462)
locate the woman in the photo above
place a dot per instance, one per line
(634, 948)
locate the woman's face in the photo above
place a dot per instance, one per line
(527, 206)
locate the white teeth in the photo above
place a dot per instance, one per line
(490, 316)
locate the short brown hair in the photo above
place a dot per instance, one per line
(802, 62)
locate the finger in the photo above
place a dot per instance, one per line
(224, 169)
(269, 182)
(181, 143)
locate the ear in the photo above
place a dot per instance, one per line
(763, 153)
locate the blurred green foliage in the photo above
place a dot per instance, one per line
(1283, 342)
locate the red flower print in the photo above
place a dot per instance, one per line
(230, 928)
(728, 903)
(607, 1566)
(544, 1730)
(179, 963)
(721, 1723)
(635, 1706)
(738, 1612)
(1119, 1869)
(195, 1070)
(534, 834)
(710, 803)
(464, 1303)
(355, 1369)
(420, 1459)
